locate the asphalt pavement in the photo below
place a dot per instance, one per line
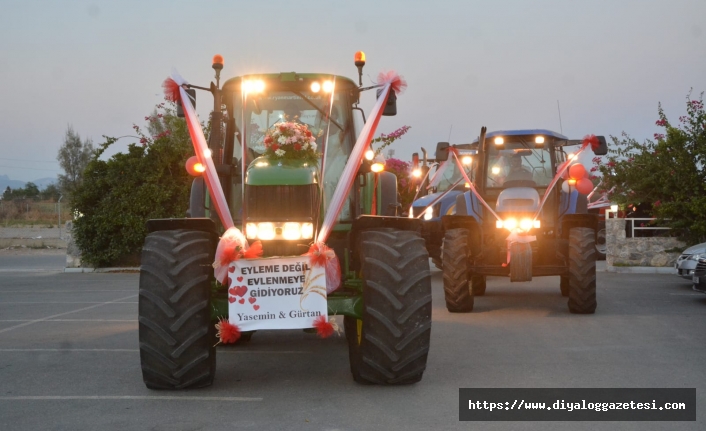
(69, 359)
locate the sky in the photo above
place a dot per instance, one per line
(577, 67)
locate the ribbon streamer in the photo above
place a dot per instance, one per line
(201, 148)
(356, 157)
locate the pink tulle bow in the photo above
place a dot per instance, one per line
(231, 247)
(396, 81)
(171, 90)
(322, 255)
(591, 140)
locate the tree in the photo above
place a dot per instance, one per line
(31, 190)
(73, 157)
(668, 174)
(50, 192)
(120, 194)
(7, 195)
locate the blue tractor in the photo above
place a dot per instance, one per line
(441, 199)
(513, 227)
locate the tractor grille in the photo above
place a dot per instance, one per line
(282, 203)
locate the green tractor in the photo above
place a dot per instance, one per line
(528, 228)
(385, 291)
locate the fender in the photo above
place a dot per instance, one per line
(202, 224)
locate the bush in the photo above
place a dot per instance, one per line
(118, 196)
(667, 174)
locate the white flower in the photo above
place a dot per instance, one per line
(280, 152)
(282, 140)
(305, 146)
(313, 146)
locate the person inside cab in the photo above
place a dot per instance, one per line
(517, 171)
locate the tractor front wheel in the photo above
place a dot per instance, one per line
(390, 345)
(582, 271)
(459, 298)
(175, 328)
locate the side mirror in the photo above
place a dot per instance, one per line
(442, 151)
(390, 108)
(602, 149)
(192, 96)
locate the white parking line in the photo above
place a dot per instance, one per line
(126, 397)
(63, 314)
(219, 351)
(66, 302)
(75, 320)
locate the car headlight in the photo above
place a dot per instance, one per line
(696, 256)
(284, 230)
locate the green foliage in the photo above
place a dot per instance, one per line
(668, 173)
(119, 195)
(74, 154)
(31, 191)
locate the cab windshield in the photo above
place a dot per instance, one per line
(518, 163)
(451, 176)
(326, 115)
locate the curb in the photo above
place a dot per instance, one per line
(102, 270)
(641, 269)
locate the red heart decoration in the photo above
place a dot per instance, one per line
(256, 307)
(252, 299)
(231, 299)
(233, 291)
(241, 300)
(232, 269)
(239, 279)
(241, 290)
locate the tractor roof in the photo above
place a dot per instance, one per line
(522, 132)
(288, 78)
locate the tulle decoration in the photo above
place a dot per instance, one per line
(254, 251)
(591, 140)
(232, 246)
(322, 255)
(324, 327)
(171, 90)
(396, 81)
(228, 333)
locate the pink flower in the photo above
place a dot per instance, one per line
(659, 136)
(611, 164)
(661, 122)
(656, 204)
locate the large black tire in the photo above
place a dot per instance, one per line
(601, 246)
(564, 285)
(175, 328)
(478, 285)
(582, 271)
(456, 269)
(390, 347)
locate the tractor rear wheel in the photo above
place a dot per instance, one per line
(564, 285)
(582, 271)
(478, 285)
(175, 328)
(601, 246)
(459, 298)
(390, 345)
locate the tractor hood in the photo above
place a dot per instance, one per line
(265, 172)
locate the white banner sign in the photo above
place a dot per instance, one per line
(276, 293)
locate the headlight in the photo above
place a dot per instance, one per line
(429, 213)
(525, 224)
(696, 256)
(288, 230)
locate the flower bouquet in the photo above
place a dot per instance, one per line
(291, 141)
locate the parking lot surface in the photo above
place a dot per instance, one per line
(69, 359)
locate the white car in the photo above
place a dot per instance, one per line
(686, 263)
